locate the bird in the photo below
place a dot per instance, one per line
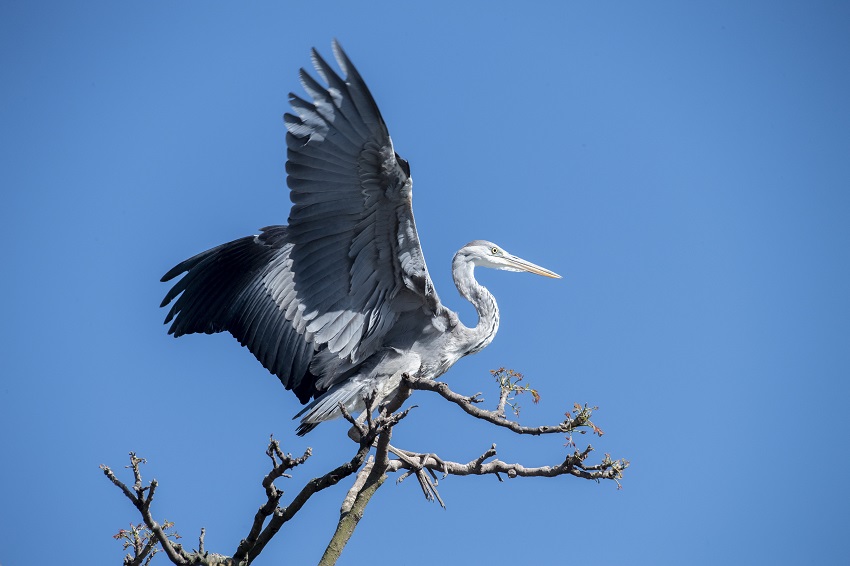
(338, 303)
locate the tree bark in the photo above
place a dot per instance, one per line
(348, 521)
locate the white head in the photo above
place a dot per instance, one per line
(488, 254)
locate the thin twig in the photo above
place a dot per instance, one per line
(494, 417)
(370, 431)
(143, 502)
(315, 485)
(281, 463)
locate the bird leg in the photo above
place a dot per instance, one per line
(355, 433)
(406, 456)
(428, 484)
(363, 423)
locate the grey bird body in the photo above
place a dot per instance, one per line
(339, 304)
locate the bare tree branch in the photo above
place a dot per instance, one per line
(273, 494)
(350, 517)
(358, 484)
(174, 551)
(572, 465)
(282, 515)
(370, 432)
(497, 417)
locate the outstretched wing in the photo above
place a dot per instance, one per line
(349, 263)
(355, 247)
(232, 287)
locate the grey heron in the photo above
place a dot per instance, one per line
(338, 304)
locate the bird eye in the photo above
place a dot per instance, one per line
(495, 251)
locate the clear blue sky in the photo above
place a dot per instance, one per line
(685, 166)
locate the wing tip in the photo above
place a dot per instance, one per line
(341, 58)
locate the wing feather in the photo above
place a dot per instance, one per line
(231, 287)
(326, 284)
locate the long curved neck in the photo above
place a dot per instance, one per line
(488, 312)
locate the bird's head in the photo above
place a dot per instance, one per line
(488, 254)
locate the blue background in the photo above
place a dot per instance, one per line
(684, 166)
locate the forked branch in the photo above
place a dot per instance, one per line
(371, 432)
